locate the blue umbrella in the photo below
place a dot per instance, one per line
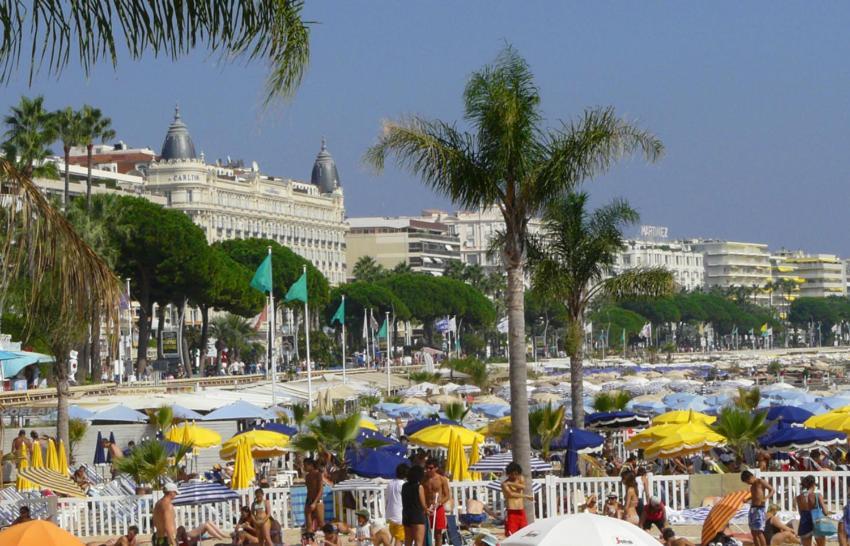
(203, 492)
(784, 437)
(788, 414)
(615, 420)
(499, 461)
(717, 400)
(239, 410)
(366, 434)
(374, 463)
(120, 414)
(791, 395)
(835, 402)
(493, 411)
(585, 441)
(649, 407)
(99, 454)
(76, 412)
(279, 428)
(179, 412)
(172, 448)
(15, 361)
(415, 426)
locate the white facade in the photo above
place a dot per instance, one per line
(730, 264)
(684, 263)
(817, 275)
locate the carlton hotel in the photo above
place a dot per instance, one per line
(232, 201)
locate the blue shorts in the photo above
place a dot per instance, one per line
(757, 518)
(473, 519)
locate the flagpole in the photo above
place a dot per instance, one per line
(343, 338)
(271, 319)
(387, 324)
(307, 343)
(366, 337)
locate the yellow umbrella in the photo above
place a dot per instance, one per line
(439, 435)
(50, 460)
(190, 433)
(62, 460)
(833, 420)
(649, 436)
(687, 439)
(262, 444)
(22, 484)
(498, 427)
(243, 469)
(683, 416)
(37, 460)
(43, 533)
(456, 463)
(474, 457)
(367, 424)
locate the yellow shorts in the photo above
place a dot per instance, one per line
(397, 531)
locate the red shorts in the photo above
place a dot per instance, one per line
(515, 521)
(440, 523)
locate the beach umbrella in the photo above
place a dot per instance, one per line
(798, 397)
(21, 483)
(615, 420)
(497, 463)
(834, 402)
(784, 437)
(120, 414)
(584, 440)
(190, 433)
(13, 362)
(243, 469)
(55, 481)
(412, 427)
(62, 459)
(76, 412)
(366, 434)
(474, 457)
(685, 440)
(99, 453)
(837, 420)
(439, 436)
(815, 408)
(38, 531)
(497, 427)
(280, 428)
(51, 461)
(260, 444)
(721, 514)
(37, 460)
(468, 389)
(788, 414)
(652, 407)
(587, 529)
(456, 464)
(375, 463)
(683, 416)
(171, 448)
(185, 414)
(368, 424)
(492, 411)
(239, 410)
(203, 492)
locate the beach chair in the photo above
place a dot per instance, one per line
(453, 532)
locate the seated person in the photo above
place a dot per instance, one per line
(23, 515)
(670, 539)
(195, 536)
(127, 540)
(776, 532)
(590, 506)
(331, 535)
(612, 507)
(217, 474)
(81, 479)
(368, 533)
(244, 532)
(475, 512)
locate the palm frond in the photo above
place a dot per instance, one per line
(46, 33)
(653, 282)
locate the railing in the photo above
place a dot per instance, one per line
(833, 486)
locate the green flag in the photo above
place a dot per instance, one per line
(298, 290)
(262, 280)
(339, 316)
(383, 331)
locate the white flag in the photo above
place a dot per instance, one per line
(502, 327)
(365, 325)
(646, 331)
(588, 328)
(453, 324)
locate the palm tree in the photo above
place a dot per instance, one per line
(162, 418)
(69, 129)
(367, 269)
(455, 411)
(369, 401)
(29, 133)
(272, 32)
(232, 332)
(572, 261)
(510, 161)
(748, 399)
(332, 435)
(741, 428)
(94, 126)
(611, 401)
(149, 463)
(546, 424)
(76, 432)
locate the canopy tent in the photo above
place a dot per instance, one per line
(784, 437)
(615, 420)
(499, 461)
(120, 414)
(203, 492)
(239, 410)
(439, 436)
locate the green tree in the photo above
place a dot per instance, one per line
(367, 269)
(748, 399)
(456, 411)
(331, 434)
(76, 432)
(149, 463)
(93, 126)
(546, 424)
(233, 334)
(611, 401)
(360, 295)
(69, 129)
(741, 428)
(29, 133)
(571, 261)
(509, 160)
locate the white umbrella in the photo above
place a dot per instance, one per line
(585, 529)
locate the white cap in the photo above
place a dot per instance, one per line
(170, 488)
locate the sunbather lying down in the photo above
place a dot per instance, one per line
(127, 540)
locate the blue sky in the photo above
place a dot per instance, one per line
(751, 100)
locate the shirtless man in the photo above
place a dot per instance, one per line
(165, 529)
(314, 510)
(513, 489)
(670, 538)
(760, 490)
(437, 495)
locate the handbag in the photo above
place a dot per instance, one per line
(823, 526)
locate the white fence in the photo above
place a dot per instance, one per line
(111, 516)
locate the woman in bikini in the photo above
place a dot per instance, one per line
(630, 505)
(261, 510)
(808, 500)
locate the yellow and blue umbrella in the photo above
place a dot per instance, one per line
(439, 436)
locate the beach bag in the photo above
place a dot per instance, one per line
(823, 526)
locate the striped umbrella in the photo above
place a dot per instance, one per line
(203, 492)
(62, 460)
(498, 462)
(56, 482)
(37, 459)
(721, 513)
(22, 484)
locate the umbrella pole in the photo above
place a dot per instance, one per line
(434, 519)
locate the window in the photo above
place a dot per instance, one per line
(188, 196)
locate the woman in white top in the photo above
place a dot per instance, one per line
(394, 519)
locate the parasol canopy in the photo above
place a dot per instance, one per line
(38, 531)
(498, 462)
(683, 416)
(261, 444)
(56, 482)
(587, 529)
(439, 436)
(721, 514)
(685, 440)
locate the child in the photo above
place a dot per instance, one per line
(513, 490)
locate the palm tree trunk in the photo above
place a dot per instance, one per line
(66, 194)
(575, 337)
(88, 175)
(63, 392)
(160, 323)
(144, 333)
(520, 438)
(205, 334)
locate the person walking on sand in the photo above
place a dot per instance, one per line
(165, 529)
(513, 489)
(760, 490)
